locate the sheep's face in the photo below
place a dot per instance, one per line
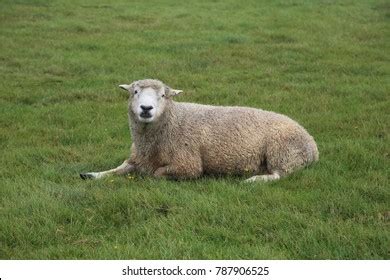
(148, 99)
(147, 104)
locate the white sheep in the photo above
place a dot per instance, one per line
(185, 140)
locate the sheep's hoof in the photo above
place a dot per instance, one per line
(86, 176)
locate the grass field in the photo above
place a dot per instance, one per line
(323, 63)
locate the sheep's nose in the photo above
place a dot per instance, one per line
(146, 108)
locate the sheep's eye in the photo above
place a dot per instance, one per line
(136, 91)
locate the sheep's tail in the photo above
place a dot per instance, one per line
(314, 154)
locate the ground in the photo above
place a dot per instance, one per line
(323, 63)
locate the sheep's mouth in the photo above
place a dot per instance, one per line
(145, 115)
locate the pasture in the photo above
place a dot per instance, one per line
(323, 63)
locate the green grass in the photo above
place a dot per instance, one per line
(323, 63)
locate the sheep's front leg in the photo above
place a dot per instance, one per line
(122, 169)
(161, 172)
(172, 172)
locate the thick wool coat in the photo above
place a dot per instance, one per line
(189, 140)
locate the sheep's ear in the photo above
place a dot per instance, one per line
(125, 87)
(172, 92)
(175, 92)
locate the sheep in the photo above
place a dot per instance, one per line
(180, 140)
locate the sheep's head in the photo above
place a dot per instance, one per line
(148, 99)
